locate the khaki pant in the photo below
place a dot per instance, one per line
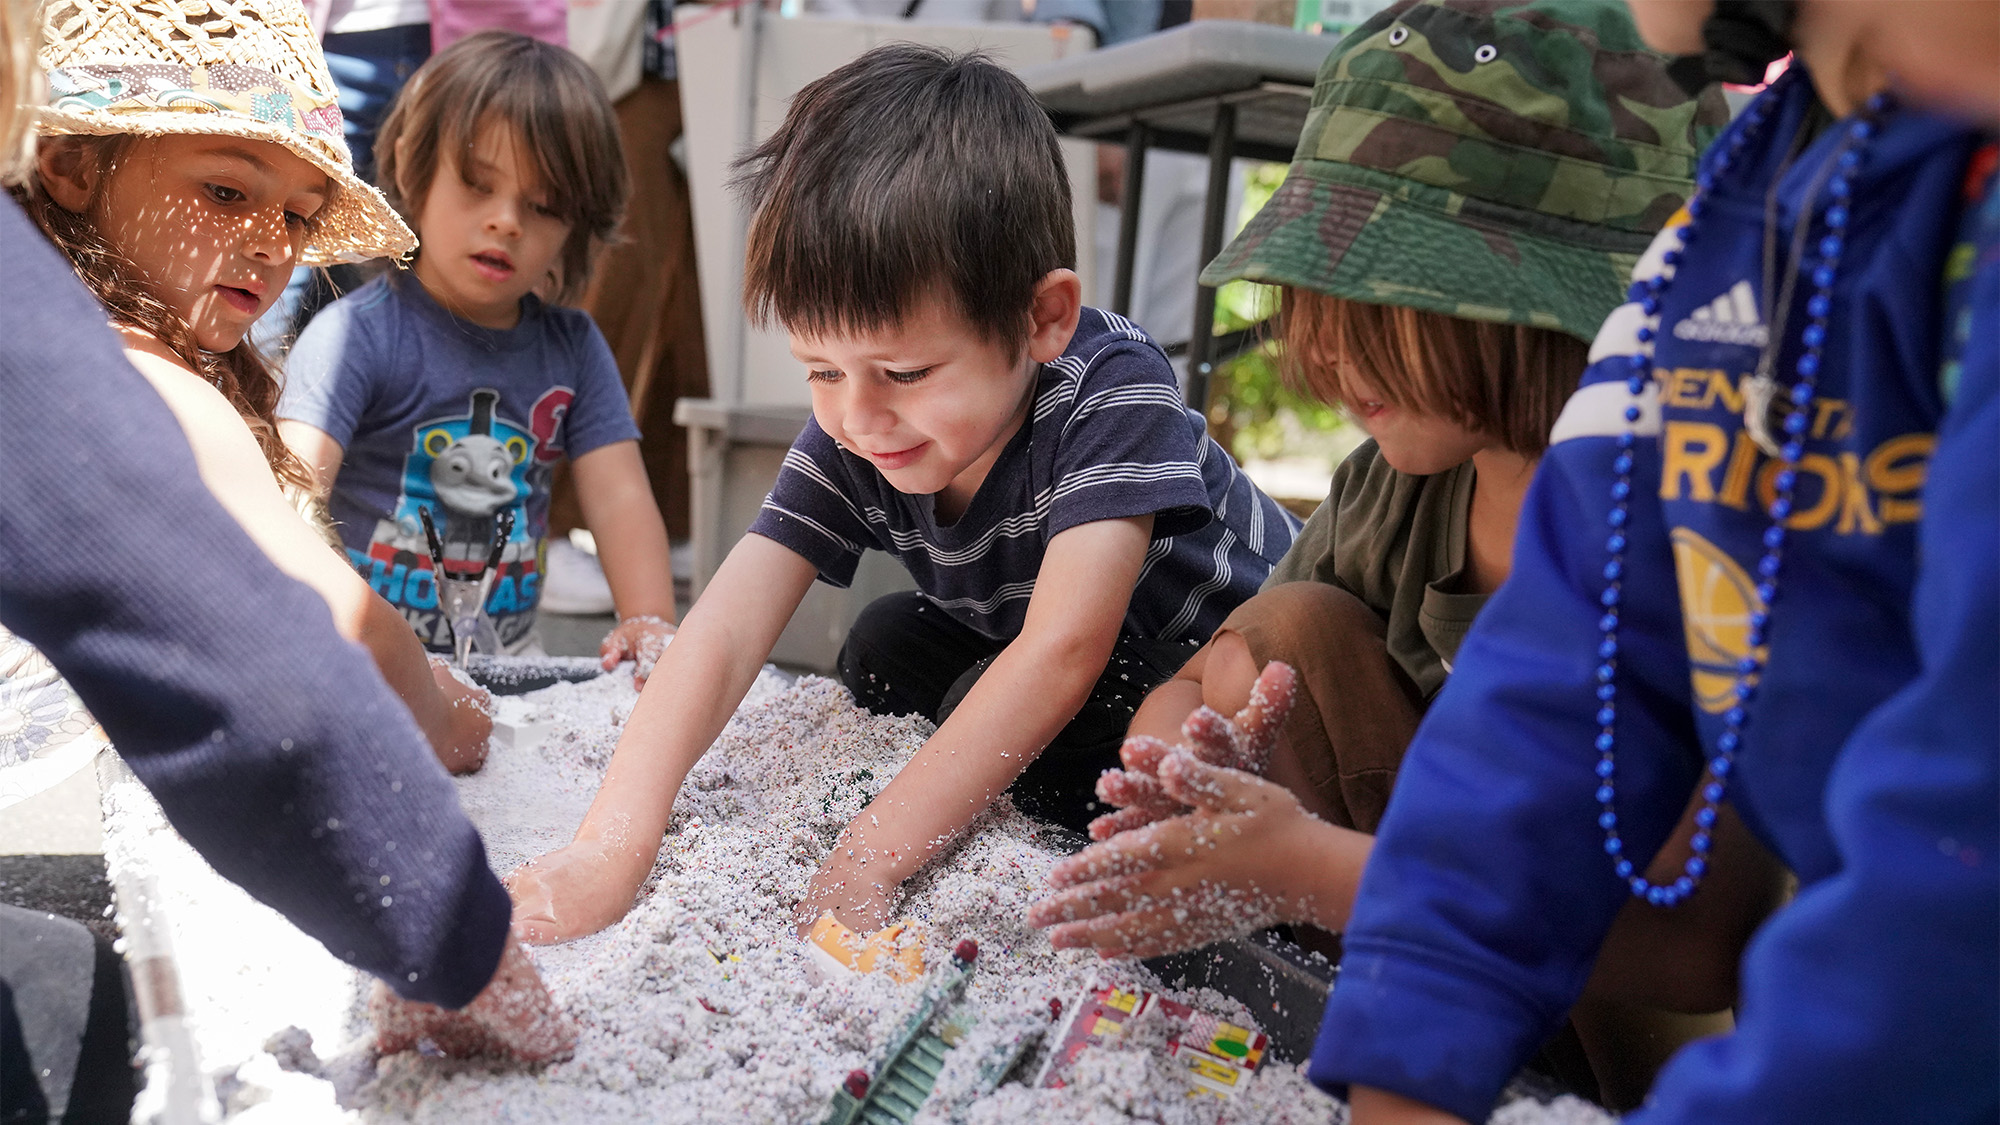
(1356, 710)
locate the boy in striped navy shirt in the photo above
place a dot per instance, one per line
(1073, 531)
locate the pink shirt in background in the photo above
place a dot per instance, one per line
(452, 20)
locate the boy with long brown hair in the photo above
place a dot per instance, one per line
(452, 390)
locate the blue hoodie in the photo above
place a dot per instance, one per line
(1871, 760)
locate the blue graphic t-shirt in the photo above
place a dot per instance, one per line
(435, 412)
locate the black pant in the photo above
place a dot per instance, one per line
(65, 1024)
(906, 656)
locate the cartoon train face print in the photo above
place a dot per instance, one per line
(474, 475)
(472, 470)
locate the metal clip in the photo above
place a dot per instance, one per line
(463, 597)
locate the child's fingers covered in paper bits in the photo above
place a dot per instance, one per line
(470, 717)
(1243, 742)
(577, 889)
(1184, 881)
(640, 640)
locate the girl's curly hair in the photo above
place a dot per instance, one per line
(241, 373)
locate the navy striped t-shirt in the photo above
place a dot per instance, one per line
(1108, 438)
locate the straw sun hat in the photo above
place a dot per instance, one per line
(239, 68)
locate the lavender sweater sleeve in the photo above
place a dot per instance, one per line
(270, 742)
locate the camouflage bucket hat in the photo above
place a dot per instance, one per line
(1494, 161)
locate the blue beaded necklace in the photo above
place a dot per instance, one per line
(1760, 392)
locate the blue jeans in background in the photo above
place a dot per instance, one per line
(369, 69)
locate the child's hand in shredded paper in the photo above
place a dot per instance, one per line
(576, 890)
(860, 898)
(640, 640)
(513, 1017)
(1220, 870)
(1240, 743)
(471, 717)
(1204, 848)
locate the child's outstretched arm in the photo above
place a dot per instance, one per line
(1032, 690)
(455, 718)
(618, 504)
(317, 448)
(698, 682)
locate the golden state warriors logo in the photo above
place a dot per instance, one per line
(1717, 599)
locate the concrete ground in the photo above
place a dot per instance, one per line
(52, 854)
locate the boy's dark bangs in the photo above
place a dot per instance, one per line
(829, 271)
(908, 172)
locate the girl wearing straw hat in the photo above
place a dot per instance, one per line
(198, 694)
(190, 158)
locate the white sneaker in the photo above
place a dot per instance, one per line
(575, 582)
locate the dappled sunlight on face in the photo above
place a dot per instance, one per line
(212, 224)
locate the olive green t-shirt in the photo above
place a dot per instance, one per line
(1397, 542)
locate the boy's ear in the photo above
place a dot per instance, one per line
(1052, 318)
(66, 174)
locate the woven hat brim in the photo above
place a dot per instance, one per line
(359, 226)
(1369, 236)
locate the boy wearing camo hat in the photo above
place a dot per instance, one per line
(1473, 185)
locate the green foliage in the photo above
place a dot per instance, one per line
(1250, 409)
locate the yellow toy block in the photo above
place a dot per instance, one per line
(834, 950)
